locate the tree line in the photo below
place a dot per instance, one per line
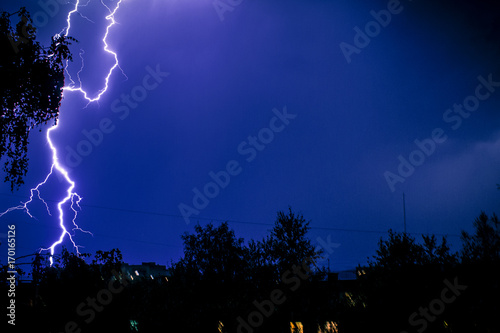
(223, 283)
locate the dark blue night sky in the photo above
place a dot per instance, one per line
(233, 110)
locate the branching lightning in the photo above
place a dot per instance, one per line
(70, 196)
(71, 199)
(24, 205)
(111, 18)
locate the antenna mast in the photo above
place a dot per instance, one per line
(404, 212)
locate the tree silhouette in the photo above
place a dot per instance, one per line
(402, 250)
(213, 252)
(220, 280)
(484, 244)
(480, 271)
(31, 81)
(210, 280)
(284, 256)
(107, 261)
(403, 276)
(66, 292)
(287, 244)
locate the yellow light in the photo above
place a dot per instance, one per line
(350, 299)
(296, 327)
(329, 327)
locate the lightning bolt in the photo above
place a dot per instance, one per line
(71, 198)
(111, 18)
(24, 205)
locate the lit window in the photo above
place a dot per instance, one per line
(329, 327)
(350, 299)
(296, 327)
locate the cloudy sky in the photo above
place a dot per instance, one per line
(231, 110)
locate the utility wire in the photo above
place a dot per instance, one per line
(228, 220)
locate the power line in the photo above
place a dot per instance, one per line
(229, 220)
(102, 235)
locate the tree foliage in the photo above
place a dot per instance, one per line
(222, 280)
(401, 250)
(31, 82)
(213, 252)
(406, 277)
(484, 244)
(220, 277)
(287, 244)
(210, 279)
